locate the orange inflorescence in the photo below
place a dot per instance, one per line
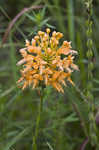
(45, 62)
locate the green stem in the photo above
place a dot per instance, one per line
(70, 15)
(90, 96)
(38, 122)
(82, 122)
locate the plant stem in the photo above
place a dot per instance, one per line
(82, 122)
(70, 15)
(90, 96)
(38, 121)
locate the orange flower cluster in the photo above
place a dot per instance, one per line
(45, 62)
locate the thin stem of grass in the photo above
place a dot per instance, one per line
(82, 122)
(60, 16)
(80, 48)
(81, 94)
(70, 15)
(13, 59)
(77, 108)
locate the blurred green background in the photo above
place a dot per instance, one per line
(65, 123)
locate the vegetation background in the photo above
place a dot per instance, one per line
(65, 122)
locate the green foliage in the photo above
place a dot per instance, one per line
(65, 121)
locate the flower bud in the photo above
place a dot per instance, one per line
(48, 30)
(27, 42)
(36, 37)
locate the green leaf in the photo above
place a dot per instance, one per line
(96, 81)
(50, 147)
(16, 139)
(43, 12)
(70, 118)
(30, 17)
(44, 22)
(50, 26)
